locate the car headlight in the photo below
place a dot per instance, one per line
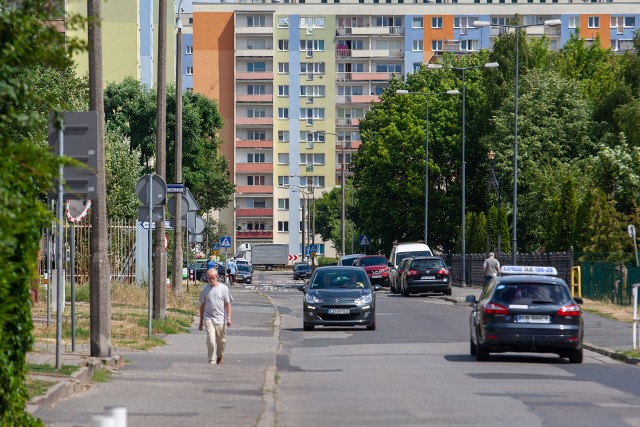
(364, 299)
(312, 299)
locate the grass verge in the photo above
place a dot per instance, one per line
(50, 369)
(38, 387)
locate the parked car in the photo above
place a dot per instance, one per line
(408, 249)
(222, 270)
(425, 274)
(244, 261)
(301, 270)
(349, 259)
(377, 268)
(243, 273)
(198, 268)
(395, 276)
(339, 296)
(524, 311)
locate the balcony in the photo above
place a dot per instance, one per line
(255, 98)
(377, 53)
(254, 213)
(254, 30)
(251, 75)
(364, 99)
(371, 76)
(254, 189)
(347, 122)
(240, 143)
(254, 167)
(349, 145)
(253, 121)
(254, 234)
(268, 52)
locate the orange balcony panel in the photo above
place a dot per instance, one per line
(254, 189)
(254, 144)
(356, 144)
(254, 120)
(254, 167)
(364, 98)
(254, 234)
(370, 76)
(255, 98)
(252, 212)
(355, 122)
(247, 75)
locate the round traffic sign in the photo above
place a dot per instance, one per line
(158, 189)
(199, 228)
(184, 206)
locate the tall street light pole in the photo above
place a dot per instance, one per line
(312, 192)
(464, 162)
(491, 155)
(426, 149)
(517, 27)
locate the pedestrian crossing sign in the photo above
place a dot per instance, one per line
(364, 240)
(225, 242)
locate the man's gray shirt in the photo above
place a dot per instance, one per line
(214, 299)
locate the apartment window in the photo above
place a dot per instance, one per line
(283, 113)
(469, 45)
(256, 67)
(417, 66)
(189, 71)
(256, 112)
(256, 21)
(283, 90)
(283, 68)
(283, 180)
(312, 67)
(594, 22)
(312, 113)
(347, 158)
(257, 44)
(317, 181)
(256, 225)
(256, 135)
(189, 50)
(315, 90)
(283, 22)
(283, 226)
(629, 21)
(436, 45)
(436, 22)
(312, 159)
(283, 158)
(255, 180)
(283, 45)
(255, 158)
(283, 204)
(312, 45)
(417, 22)
(312, 136)
(256, 90)
(283, 136)
(256, 203)
(417, 45)
(574, 21)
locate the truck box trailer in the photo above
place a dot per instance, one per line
(266, 255)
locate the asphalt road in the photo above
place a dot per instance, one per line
(415, 369)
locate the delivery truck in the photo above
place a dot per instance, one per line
(265, 255)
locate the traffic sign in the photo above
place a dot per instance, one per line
(631, 229)
(215, 246)
(225, 242)
(175, 188)
(158, 189)
(364, 240)
(293, 257)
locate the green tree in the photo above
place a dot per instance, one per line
(562, 224)
(605, 229)
(123, 170)
(328, 215)
(476, 224)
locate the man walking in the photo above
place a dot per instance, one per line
(215, 314)
(490, 268)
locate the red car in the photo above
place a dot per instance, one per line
(377, 268)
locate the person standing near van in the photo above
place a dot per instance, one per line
(490, 268)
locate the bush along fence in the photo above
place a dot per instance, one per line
(603, 277)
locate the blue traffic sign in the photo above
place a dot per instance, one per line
(364, 240)
(307, 250)
(225, 242)
(215, 246)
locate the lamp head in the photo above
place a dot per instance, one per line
(402, 92)
(553, 23)
(481, 24)
(491, 155)
(434, 66)
(453, 92)
(491, 65)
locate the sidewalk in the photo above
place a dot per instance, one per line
(176, 380)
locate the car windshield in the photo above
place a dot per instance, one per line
(427, 263)
(527, 293)
(303, 267)
(244, 268)
(343, 279)
(378, 260)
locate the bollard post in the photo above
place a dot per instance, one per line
(636, 320)
(103, 421)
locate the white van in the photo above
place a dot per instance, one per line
(404, 250)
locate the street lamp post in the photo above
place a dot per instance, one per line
(426, 149)
(517, 27)
(491, 155)
(464, 163)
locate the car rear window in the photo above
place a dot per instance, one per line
(402, 255)
(373, 261)
(427, 263)
(526, 293)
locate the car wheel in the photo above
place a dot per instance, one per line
(472, 348)
(482, 353)
(307, 327)
(575, 356)
(405, 291)
(372, 326)
(447, 292)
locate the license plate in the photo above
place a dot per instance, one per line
(428, 278)
(339, 311)
(376, 276)
(533, 318)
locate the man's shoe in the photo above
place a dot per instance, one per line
(219, 360)
(211, 362)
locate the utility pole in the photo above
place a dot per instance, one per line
(100, 275)
(159, 251)
(176, 273)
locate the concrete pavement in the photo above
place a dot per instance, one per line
(174, 384)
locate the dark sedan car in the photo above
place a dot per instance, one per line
(339, 296)
(243, 273)
(301, 270)
(526, 313)
(425, 274)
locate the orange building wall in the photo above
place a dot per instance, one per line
(590, 33)
(445, 33)
(213, 64)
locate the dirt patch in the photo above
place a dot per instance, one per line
(622, 313)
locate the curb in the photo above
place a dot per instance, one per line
(612, 354)
(268, 417)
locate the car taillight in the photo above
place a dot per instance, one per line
(412, 273)
(493, 308)
(443, 272)
(569, 310)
